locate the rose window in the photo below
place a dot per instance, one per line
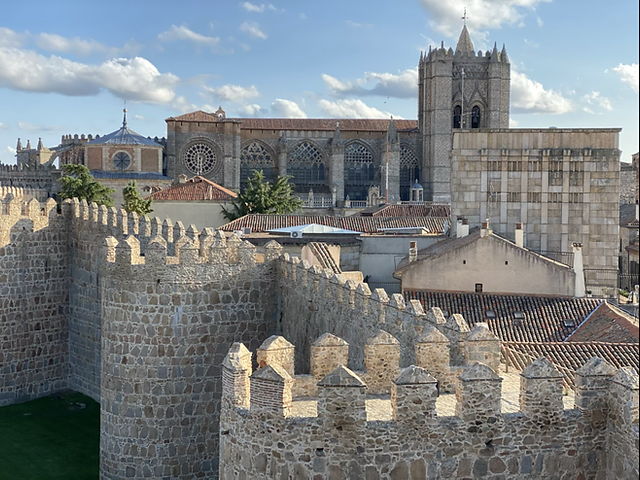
(200, 159)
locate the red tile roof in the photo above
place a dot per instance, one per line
(607, 324)
(262, 223)
(570, 356)
(327, 124)
(408, 210)
(194, 189)
(544, 317)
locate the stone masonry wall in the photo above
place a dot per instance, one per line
(33, 300)
(167, 322)
(542, 441)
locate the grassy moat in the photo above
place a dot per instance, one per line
(56, 437)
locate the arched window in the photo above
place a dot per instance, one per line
(475, 117)
(254, 156)
(409, 171)
(359, 171)
(457, 116)
(306, 165)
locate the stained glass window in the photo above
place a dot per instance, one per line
(409, 171)
(306, 165)
(254, 156)
(359, 171)
(200, 159)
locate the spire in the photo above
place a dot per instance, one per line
(392, 132)
(40, 146)
(28, 144)
(503, 56)
(465, 45)
(19, 145)
(494, 54)
(124, 120)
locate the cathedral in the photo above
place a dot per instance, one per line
(458, 89)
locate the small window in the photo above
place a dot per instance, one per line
(478, 288)
(121, 160)
(518, 315)
(569, 323)
(464, 262)
(506, 262)
(457, 116)
(490, 314)
(475, 117)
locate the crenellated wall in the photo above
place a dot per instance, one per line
(261, 439)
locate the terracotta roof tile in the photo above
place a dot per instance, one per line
(194, 189)
(262, 223)
(607, 324)
(543, 316)
(407, 210)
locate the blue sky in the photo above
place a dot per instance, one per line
(68, 69)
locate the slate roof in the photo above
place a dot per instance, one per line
(194, 189)
(263, 223)
(407, 210)
(607, 324)
(124, 136)
(628, 215)
(326, 124)
(543, 316)
(570, 356)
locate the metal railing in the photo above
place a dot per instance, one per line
(317, 202)
(565, 258)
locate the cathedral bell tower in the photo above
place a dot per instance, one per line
(458, 90)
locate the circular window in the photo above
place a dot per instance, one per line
(121, 160)
(200, 159)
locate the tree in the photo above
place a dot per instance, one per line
(77, 182)
(133, 202)
(261, 196)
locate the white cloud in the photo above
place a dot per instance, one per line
(513, 123)
(401, 85)
(10, 38)
(127, 78)
(234, 93)
(3, 126)
(529, 96)
(30, 127)
(628, 74)
(57, 43)
(351, 108)
(287, 109)
(594, 98)
(250, 7)
(353, 24)
(139, 117)
(253, 110)
(253, 30)
(185, 34)
(303, 16)
(11, 150)
(445, 17)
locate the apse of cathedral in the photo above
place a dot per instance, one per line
(344, 158)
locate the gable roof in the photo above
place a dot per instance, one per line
(437, 250)
(194, 189)
(607, 324)
(326, 124)
(263, 223)
(543, 316)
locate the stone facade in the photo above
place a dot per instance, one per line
(261, 438)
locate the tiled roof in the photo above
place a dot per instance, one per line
(543, 317)
(262, 223)
(409, 210)
(194, 189)
(607, 324)
(570, 356)
(327, 124)
(321, 252)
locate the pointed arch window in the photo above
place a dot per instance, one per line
(254, 156)
(409, 171)
(305, 164)
(475, 117)
(457, 116)
(359, 171)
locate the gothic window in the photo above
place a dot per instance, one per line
(475, 117)
(121, 160)
(254, 156)
(359, 171)
(409, 171)
(306, 165)
(457, 116)
(200, 158)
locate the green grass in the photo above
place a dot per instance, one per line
(50, 439)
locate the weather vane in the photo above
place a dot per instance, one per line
(464, 17)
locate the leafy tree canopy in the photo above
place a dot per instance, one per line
(260, 196)
(77, 182)
(133, 202)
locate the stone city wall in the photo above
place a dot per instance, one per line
(260, 439)
(33, 299)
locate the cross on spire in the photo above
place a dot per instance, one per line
(464, 17)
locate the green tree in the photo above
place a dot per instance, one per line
(133, 202)
(260, 196)
(77, 182)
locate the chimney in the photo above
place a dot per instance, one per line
(519, 235)
(463, 228)
(578, 268)
(413, 251)
(182, 179)
(485, 229)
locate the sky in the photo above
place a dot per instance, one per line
(70, 69)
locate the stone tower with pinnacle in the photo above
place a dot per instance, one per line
(458, 89)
